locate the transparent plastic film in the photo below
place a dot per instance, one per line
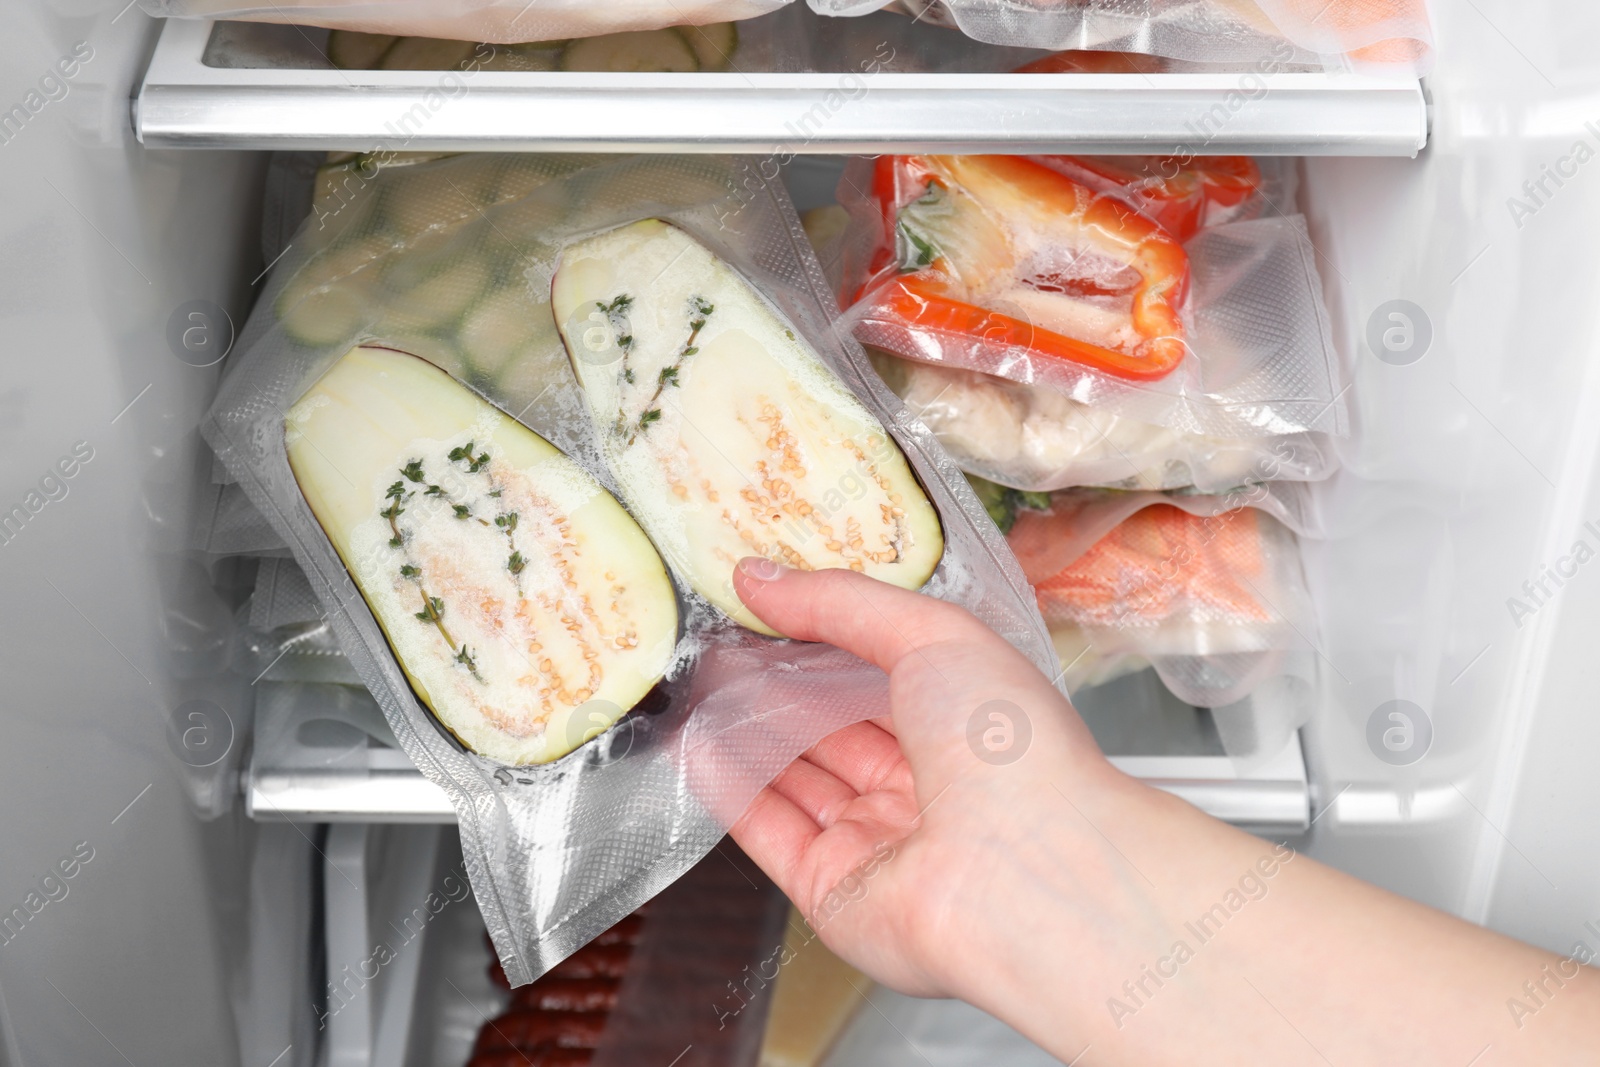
(440, 271)
(1009, 266)
(474, 20)
(1208, 592)
(1034, 438)
(1388, 36)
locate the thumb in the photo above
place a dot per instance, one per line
(963, 696)
(881, 623)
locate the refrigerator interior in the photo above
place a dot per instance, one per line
(197, 925)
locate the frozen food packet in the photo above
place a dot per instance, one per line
(1212, 596)
(1084, 516)
(1005, 265)
(1182, 198)
(474, 20)
(1034, 438)
(1263, 36)
(438, 276)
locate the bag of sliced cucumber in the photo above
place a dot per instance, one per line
(518, 417)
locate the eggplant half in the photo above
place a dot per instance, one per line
(527, 609)
(727, 435)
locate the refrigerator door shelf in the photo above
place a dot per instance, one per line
(186, 103)
(322, 754)
(1270, 796)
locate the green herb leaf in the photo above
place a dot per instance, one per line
(648, 417)
(669, 375)
(926, 253)
(408, 571)
(516, 563)
(462, 511)
(413, 470)
(434, 490)
(691, 350)
(396, 491)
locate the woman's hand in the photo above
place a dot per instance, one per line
(973, 842)
(893, 837)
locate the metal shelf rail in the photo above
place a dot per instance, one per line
(184, 102)
(333, 760)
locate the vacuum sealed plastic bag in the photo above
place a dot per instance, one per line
(789, 39)
(1006, 265)
(1034, 438)
(473, 20)
(519, 518)
(679, 49)
(1260, 35)
(1082, 517)
(1213, 599)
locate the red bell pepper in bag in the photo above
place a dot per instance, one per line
(1004, 250)
(1184, 198)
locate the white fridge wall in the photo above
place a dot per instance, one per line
(1473, 469)
(107, 634)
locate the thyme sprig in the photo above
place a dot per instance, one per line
(432, 606)
(506, 521)
(616, 314)
(699, 311)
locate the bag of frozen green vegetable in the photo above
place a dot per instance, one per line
(518, 417)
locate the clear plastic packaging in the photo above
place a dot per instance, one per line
(473, 20)
(451, 260)
(1005, 265)
(1256, 37)
(1032, 437)
(1209, 593)
(788, 39)
(1262, 36)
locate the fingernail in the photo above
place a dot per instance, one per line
(761, 569)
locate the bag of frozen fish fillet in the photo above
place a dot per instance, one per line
(496, 22)
(518, 417)
(1207, 590)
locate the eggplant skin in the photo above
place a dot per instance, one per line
(527, 609)
(727, 435)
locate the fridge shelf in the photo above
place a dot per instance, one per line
(323, 754)
(195, 95)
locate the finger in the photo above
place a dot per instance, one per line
(775, 834)
(862, 756)
(879, 622)
(814, 791)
